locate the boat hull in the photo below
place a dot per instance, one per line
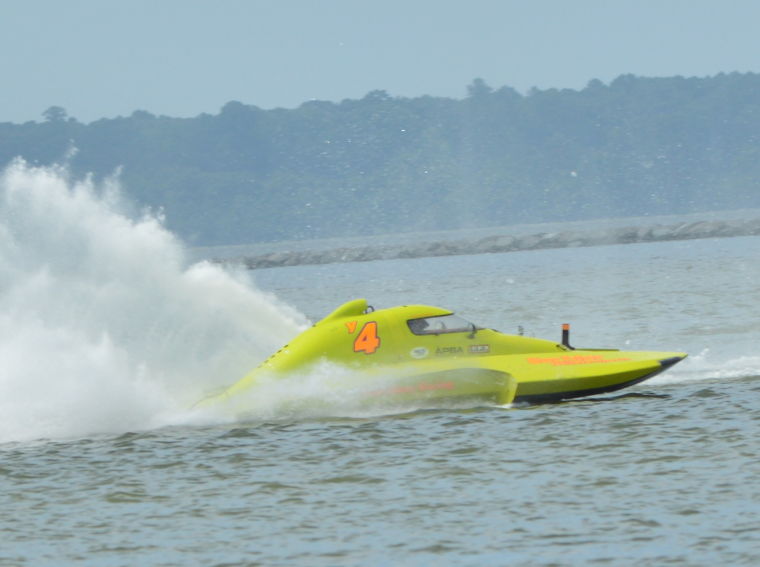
(535, 378)
(419, 353)
(608, 378)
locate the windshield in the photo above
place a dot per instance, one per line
(440, 324)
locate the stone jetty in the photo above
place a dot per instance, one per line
(505, 243)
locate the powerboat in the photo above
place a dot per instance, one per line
(420, 353)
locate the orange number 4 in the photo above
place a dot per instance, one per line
(367, 340)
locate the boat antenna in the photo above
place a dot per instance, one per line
(566, 335)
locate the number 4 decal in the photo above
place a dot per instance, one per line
(367, 340)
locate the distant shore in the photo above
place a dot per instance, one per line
(504, 243)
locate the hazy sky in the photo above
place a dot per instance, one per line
(104, 58)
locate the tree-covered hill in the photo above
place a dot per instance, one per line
(387, 164)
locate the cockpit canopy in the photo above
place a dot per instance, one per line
(440, 324)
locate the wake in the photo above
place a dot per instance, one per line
(706, 365)
(104, 327)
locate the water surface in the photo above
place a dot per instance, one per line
(108, 337)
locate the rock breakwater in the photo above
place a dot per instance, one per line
(505, 243)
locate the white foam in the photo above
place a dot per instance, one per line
(708, 365)
(103, 326)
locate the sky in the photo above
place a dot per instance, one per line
(107, 58)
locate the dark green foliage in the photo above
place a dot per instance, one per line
(386, 164)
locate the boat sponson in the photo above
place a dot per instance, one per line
(664, 364)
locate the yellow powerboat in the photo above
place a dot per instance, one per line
(416, 353)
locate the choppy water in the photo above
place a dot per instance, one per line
(102, 464)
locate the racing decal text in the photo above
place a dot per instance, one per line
(367, 341)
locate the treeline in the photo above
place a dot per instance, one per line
(387, 164)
